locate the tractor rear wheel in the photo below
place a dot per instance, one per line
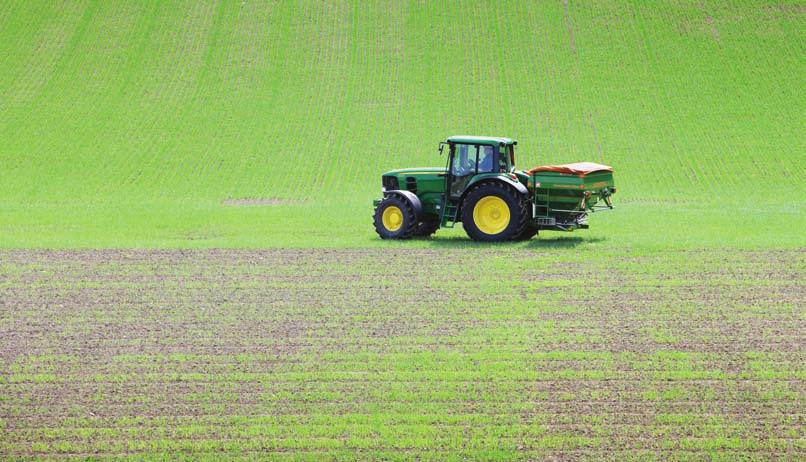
(395, 218)
(428, 226)
(494, 212)
(527, 234)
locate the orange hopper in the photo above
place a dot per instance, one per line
(579, 168)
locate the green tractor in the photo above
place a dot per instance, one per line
(481, 188)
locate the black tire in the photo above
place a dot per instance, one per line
(526, 234)
(518, 211)
(408, 222)
(428, 226)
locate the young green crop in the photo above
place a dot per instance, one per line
(144, 125)
(215, 352)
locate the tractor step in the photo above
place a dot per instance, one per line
(448, 213)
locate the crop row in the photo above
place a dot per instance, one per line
(650, 360)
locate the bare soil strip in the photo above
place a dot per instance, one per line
(384, 353)
(571, 42)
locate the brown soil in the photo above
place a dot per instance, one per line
(630, 351)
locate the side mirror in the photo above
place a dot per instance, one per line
(441, 147)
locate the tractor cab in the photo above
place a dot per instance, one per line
(472, 159)
(473, 155)
(492, 153)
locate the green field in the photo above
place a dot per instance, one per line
(131, 123)
(188, 267)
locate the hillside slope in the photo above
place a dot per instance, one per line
(128, 123)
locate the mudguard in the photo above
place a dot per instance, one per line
(504, 179)
(515, 184)
(409, 196)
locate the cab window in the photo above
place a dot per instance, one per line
(464, 161)
(486, 158)
(505, 159)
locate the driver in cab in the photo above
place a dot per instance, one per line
(486, 159)
(467, 166)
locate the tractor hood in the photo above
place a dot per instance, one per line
(415, 171)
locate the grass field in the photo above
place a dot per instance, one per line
(131, 123)
(188, 266)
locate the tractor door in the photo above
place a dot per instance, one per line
(464, 159)
(468, 160)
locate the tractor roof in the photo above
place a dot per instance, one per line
(490, 140)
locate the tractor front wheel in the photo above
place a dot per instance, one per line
(395, 218)
(494, 212)
(428, 226)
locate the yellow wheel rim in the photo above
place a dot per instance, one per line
(491, 215)
(392, 218)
